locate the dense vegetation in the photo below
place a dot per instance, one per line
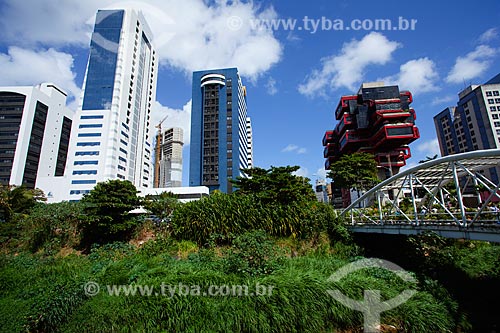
(255, 238)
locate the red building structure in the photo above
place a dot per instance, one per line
(378, 120)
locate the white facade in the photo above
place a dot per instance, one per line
(249, 143)
(111, 135)
(171, 157)
(185, 194)
(53, 100)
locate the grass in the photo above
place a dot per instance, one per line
(46, 294)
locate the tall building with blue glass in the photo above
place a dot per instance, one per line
(111, 137)
(220, 139)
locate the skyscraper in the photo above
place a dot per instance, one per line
(171, 158)
(112, 128)
(35, 127)
(377, 120)
(249, 142)
(474, 124)
(219, 137)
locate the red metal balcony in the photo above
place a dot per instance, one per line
(329, 137)
(344, 105)
(346, 121)
(351, 141)
(405, 94)
(393, 158)
(393, 135)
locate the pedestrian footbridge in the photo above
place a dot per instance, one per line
(435, 196)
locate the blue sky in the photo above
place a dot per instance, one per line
(294, 77)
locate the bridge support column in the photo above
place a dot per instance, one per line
(459, 194)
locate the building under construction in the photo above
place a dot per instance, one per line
(169, 159)
(377, 120)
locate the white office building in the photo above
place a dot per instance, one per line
(35, 127)
(249, 143)
(112, 129)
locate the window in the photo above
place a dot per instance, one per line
(86, 163)
(496, 93)
(78, 192)
(81, 182)
(85, 135)
(85, 172)
(122, 159)
(90, 126)
(91, 117)
(490, 101)
(497, 100)
(87, 144)
(493, 108)
(494, 116)
(86, 153)
(497, 123)
(488, 93)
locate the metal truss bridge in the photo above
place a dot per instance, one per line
(431, 197)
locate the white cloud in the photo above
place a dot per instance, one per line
(488, 35)
(289, 148)
(189, 35)
(430, 147)
(472, 65)
(302, 172)
(440, 100)
(417, 75)
(49, 22)
(346, 68)
(28, 67)
(176, 118)
(293, 38)
(321, 173)
(294, 148)
(271, 86)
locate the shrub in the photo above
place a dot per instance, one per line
(224, 216)
(253, 253)
(52, 226)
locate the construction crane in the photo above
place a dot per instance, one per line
(158, 153)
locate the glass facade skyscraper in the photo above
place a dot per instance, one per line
(112, 128)
(220, 146)
(102, 61)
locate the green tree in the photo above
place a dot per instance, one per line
(106, 210)
(161, 205)
(52, 226)
(275, 185)
(18, 200)
(356, 171)
(428, 158)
